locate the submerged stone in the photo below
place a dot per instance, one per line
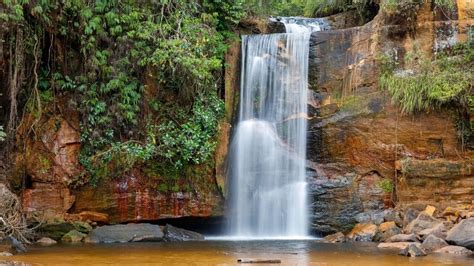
(46, 241)
(413, 250)
(123, 233)
(172, 234)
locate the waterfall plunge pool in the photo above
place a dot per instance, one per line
(290, 252)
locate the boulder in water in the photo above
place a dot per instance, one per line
(363, 232)
(46, 241)
(123, 233)
(456, 250)
(413, 250)
(336, 238)
(433, 243)
(396, 245)
(175, 234)
(387, 230)
(462, 234)
(73, 236)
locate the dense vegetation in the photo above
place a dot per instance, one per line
(143, 75)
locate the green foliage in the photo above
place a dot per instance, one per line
(430, 84)
(275, 7)
(386, 185)
(119, 52)
(449, 4)
(3, 135)
(191, 141)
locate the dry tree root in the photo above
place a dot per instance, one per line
(12, 221)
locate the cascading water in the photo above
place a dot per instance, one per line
(268, 197)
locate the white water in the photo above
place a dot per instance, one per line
(268, 197)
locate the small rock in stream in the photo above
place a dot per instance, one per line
(413, 250)
(46, 241)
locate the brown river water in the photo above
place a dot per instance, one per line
(308, 252)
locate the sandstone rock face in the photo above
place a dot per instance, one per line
(432, 243)
(174, 234)
(125, 233)
(439, 181)
(51, 164)
(135, 198)
(363, 232)
(462, 234)
(354, 130)
(338, 199)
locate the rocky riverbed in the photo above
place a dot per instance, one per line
(415, 233)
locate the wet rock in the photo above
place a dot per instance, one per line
(5, 254)
(413, 250)
(432, 243)
(457, 250)
(125, 233)
(73, 236)
(387, 230)
(132, 197)
(336, 238)
(175, 234)
(55, 228)
(403, 238)
(395, 245)
(339, 197)
(363, 232)
(423, 221)
(82, 227)
(46, 241)
(462, 234)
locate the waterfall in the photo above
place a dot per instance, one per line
(268, 150)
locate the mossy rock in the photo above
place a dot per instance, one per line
(73, 236)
